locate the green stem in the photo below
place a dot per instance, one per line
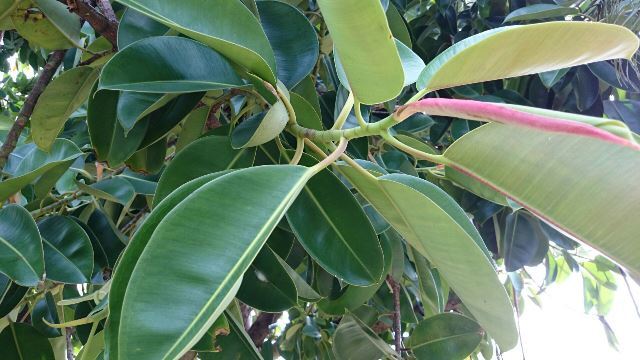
(342, 146)
(287, 104)
(438, 159)
(299, 149)
(344, 113)
(334, 135)
(359, 114)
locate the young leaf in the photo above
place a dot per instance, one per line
(21, 254)
(231, 29)
(260, 128)
(366, 47)
(148, 66)
(520, 50)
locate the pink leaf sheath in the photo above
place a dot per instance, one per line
(484, 111)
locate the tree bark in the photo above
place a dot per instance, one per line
(104, 23)
(260, 328)
(397, 324)
(27, 109)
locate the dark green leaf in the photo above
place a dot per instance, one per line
(21, 254)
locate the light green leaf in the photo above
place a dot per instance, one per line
(67, 23)
(7, 8)
(526, 49)
(540, 11)
(367, 51)
(204, 156)
(35, 163)
(256, 198)
(64, 95)
(21, 254)
(412, 64)
(68, 253)
(150, 67)
(231, 30)
(192, 127)
(438, 228)
(568, 201)
(260, 128)
(448, 336)
(355, 341)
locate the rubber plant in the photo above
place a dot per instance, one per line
(182, 172)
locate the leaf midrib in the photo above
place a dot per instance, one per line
(20, 255)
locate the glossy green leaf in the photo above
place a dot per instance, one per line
(148, 66)
(524, 243)
(68, 253)
(347, 246)
(260, 128)
(540, 11)
(165, 119)
(431, 294)
(231, 30)
(568, 201)
(150, 159)
(107, 135)
(21, 256)
(511, 51)
(367, 51)
(438, 228)
(204, 156)
(10, 295)
(21, 341)
(294, 41)
(305, 291)
(256, 198)
(355, 341)
(235, 345)
(305, 113)
(398, 26)
(115, 189)
(107, 236)
(136, 26)
(64, 95)
(448, 336)
(134, 106)
(136, 246)
(34, 163)
(45, 309)
(266, 285)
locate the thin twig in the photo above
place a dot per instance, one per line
(99, 21)
(27, 109)
(626, 281)
(397, 324)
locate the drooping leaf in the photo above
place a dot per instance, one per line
(21, 258)
(107, 135)
(45, 309)
(134, 106)
(445, 336)
(567, 202)
(64, 95)
(204, 156)
(366, 48)
(33, 163)
(68, 253)
(255, 197)
(51, 27)
(540, 11)
(10, 295)
(294, 41)
(21, 341)
(356, 341)
(148, 65)
(347, 247)
(107, 236)
(231, 30)
(448, 239)
(260, 128)
(511, 51)
(266, 285)
(136, 26)
(115, 189)
(524, 243)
